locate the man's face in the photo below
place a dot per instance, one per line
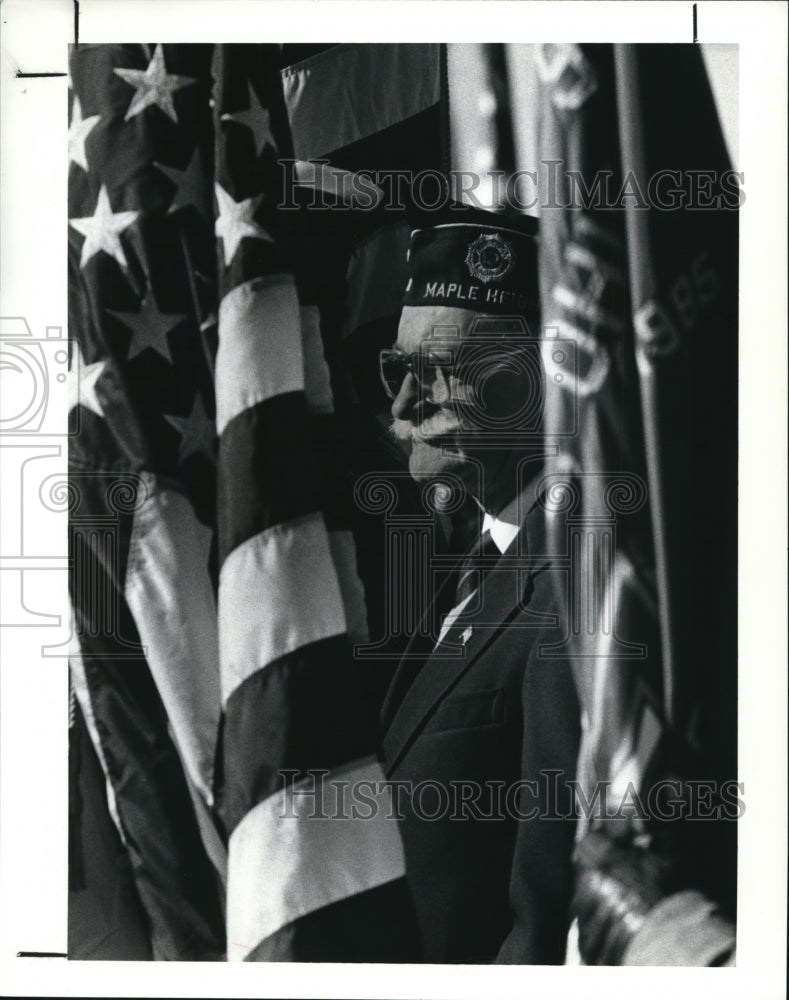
(453, 413)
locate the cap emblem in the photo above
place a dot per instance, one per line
(489, 258)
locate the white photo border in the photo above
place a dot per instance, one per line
(33, 688)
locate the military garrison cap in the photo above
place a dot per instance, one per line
(470, 258)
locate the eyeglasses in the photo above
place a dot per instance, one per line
(425, 366)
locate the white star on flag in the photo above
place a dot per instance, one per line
(101, 230)
(197, 431)
(82, 383)
(154, 86)
(149, 327)
(235, 222)
(191, 186)
(256, 119)
(78, 132)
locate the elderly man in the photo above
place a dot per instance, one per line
(481, 723)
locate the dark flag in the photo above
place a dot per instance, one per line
(593, 418)
(639, 302)
(683, 268)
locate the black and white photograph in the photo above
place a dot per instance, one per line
(389, 548)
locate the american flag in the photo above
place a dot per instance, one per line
(214, 575)
(143, 472)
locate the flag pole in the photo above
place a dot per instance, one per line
(642, 289)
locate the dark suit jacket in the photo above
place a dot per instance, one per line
(492, 889)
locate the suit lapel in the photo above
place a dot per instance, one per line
(433, 678)
(416, 652)
(426, 675)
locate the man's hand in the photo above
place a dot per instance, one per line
(617, 884)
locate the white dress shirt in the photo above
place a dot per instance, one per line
(504, 529)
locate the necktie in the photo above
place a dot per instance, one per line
(470, 576)
(473, 570)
